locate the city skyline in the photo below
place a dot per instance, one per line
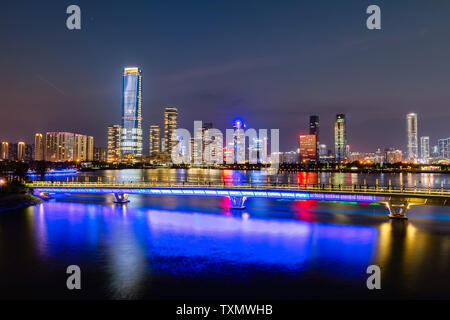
(312, 69)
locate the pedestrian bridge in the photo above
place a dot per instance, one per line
(396, 199)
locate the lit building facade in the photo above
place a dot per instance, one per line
(394, 156)
(4, 153)
(59, 146)
(38, 147)
(21, 151)
(170, 126)
(314, 128)
(80, 148)
(239, 141)
(155, 140)
(114, 143)
(424, 148)
(444, 148)
(100, 154)
(411, 131)
(90, 148)
(131, 135)
(307, 147)
(340, 138)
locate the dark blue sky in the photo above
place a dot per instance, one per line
(272, 63)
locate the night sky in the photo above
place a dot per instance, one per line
(272, 63)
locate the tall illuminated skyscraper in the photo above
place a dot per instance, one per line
(170, 126)
(411, 131)
(131, 137)
(4, 153)
(155, 140)
(114, 143)
(21, 151)
(38, 147)
(340, 138)
(424, 148)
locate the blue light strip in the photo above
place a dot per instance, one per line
(219, 193)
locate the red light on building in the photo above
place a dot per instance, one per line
(308, 147)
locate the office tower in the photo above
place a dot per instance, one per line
(131, 135)
(80, 148)
(20, 151)
(444, 148)
(314, 128)
(4, 153)
(90, 148)
(170, 126)
(239, 141)
(59, 146)
(424, 148)
(38, 147)
(114, 143)
(205, 128)
(411, 130)
(435, 151)
(100, 154)
(307, 147)
(340, 138)
(155, 140)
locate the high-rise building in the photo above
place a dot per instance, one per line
(170, 126)
(308, 147)
(314, 128)
(411, 130)
(38, 147)
(131, 136)
(114, 143)
(340, 138)
(29, 149)
(239, 141)
(59, 146)
(4, 154)
(20, 151)
(424, 148)
(80, 148)
(444, 148)
(155, 140)
(90, 148)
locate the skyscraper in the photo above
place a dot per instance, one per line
(340, 138)
(20, 151)
(131, 137)
(444, 148)
(411, 130)
(314, 128)
(90, 149)
(170, 126)
(155, 140)
(239, 141)
(80, 147)
(4, 154)
(59, 146)
(38, 147)
(424, 148)
(308, 147)
(114, 143)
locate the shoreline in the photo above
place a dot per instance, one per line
(14, 201)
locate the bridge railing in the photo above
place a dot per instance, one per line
(260, 186)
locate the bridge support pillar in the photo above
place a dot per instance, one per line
(121, 198)
(397, 210)
(237, 202)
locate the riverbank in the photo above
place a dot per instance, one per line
(13, 201)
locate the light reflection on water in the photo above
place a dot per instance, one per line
(153, 243)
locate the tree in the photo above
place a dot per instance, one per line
(21, 170)
(41, 169)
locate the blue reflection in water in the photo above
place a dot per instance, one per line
(131, 244)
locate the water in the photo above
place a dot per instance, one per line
(183, 247)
